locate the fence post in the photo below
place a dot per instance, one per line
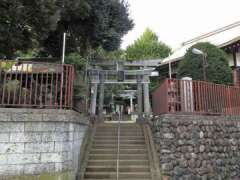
(167, 82)
(186, 94)
(1, 71)
(229, 108)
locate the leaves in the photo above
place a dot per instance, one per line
(90, 24)
(218, 70)
(38, 24)
(147, 47)
(77, 60)
(101, 54)
(24, 24)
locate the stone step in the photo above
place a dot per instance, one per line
(115, 134)
(116, 125)
(101, 175)
(122, 141)
(121, 137)
(109, 168)
(121, 131)
(121, 156)
(115, 146)
(122, 151)
(130, 129)
(95, 162)
(133, 155)
(121, 127)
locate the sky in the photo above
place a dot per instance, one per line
(176, 21)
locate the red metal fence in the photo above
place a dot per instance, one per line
(174, 96)
(39, 85)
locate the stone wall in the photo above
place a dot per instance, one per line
(198, 147)
(37, 142)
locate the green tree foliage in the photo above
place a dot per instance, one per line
(218, 70)
(28, 53)
(90, 24)
(147, 47)
(24, 24)
(77, 60)
(32, 24)
(101, 54)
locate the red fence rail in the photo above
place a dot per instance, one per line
(184, 96)
(33, 84)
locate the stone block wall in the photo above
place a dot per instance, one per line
(33, 142)
(192, 147)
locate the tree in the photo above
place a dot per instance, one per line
(101, 54)
(23, 24)
(77, 60)
(147, 47)
(32, 24)
(90, 24)
(217, 71)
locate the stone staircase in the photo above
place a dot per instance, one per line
(128, 162)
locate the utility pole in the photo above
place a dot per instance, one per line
(63, 59)
(170, 70)
(64, 48)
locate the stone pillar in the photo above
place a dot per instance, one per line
(131, 104)
(93, 98)
(101, 95)
(146, 100)
(235, 77)
(235, 71)
(139, 95)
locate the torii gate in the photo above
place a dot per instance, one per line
(102, 77)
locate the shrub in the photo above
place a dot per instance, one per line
(217, 71)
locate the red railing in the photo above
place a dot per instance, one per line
(183, 96)
(39, 85)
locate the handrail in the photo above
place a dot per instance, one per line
(118, 146)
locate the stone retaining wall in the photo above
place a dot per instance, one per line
(36, 142)
(198, 147)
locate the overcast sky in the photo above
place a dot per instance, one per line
(176, 21)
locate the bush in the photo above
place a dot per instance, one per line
(6, 65)
(77, 60)
(217, 71)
